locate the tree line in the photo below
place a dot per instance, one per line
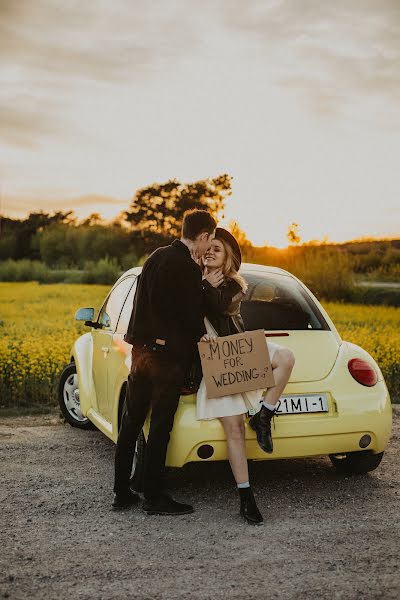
(58, 240)
(153, 218)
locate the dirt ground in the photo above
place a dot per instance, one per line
(325, 535)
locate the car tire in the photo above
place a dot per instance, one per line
(137, 475)
(68, 398)
(356, 463)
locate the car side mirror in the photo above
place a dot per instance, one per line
(87, 315)
(84, 314)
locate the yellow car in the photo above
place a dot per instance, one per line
(336, 402)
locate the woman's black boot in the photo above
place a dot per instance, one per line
(248, 507)
(261, 423)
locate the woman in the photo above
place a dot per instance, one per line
(224, 290)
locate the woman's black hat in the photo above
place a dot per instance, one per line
(228, 238)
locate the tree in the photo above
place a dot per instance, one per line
(156, 212)
(239, 234)
(25, 232)
(292, 235)
(93, 219)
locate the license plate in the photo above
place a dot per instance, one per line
(302, 404)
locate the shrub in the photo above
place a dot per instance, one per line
(104, 271)
(387, 272)
(376, 296)
(326, 271)
(23, 270)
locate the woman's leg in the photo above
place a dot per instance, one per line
(282, 364)
(235, 438)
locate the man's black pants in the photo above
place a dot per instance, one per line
(155, 382)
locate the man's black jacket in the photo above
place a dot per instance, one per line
(168, 303)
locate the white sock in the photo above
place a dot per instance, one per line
(269, 406)
(246, 484)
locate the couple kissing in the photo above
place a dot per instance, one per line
(189, 291)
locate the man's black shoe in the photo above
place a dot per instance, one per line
(248, 507)
(261, 423)
(123, 501)
(165, 505)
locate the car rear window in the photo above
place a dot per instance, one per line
(277, 301)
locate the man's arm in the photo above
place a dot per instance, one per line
(217, 300)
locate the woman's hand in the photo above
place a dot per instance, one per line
(208, 338)
(214, 278)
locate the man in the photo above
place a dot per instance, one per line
(166, 323)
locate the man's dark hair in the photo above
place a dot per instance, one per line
(197, 221)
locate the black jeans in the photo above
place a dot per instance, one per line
(155, 382)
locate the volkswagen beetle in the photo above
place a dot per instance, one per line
(336, 402)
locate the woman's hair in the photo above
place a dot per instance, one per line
(228, 268)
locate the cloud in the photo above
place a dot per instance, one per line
(16, 206)
(20, 125)
(96, 40)
(48, 47)
(331, 51)
(54, 53)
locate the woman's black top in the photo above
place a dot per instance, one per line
(222, 306)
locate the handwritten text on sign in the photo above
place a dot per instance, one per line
(236, 363)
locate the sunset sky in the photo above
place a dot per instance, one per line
(298, 100)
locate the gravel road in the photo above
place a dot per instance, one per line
(325, 536)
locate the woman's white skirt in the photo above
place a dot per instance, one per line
(227, 406)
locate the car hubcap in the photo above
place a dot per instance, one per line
(71, 398)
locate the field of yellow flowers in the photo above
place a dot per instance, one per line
(37, 329)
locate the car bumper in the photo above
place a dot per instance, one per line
(363, 411)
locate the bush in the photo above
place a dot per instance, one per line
(376, 296)
(104, 271)
(23, 270)
(129, 261)
(326, 271)
(387, 272)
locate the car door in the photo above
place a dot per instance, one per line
(103, 342)
(119, 356)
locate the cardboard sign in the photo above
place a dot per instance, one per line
(236, 363)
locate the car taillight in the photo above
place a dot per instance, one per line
(362, 372)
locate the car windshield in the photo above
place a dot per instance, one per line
(277, 301)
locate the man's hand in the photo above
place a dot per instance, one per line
(215, 278)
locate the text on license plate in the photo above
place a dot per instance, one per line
(302, 404)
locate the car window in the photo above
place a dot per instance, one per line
(111, 309)
(276, 301)
(126, 312)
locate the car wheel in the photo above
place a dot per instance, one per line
(68, 398)
(136, 482)
(357, 463)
